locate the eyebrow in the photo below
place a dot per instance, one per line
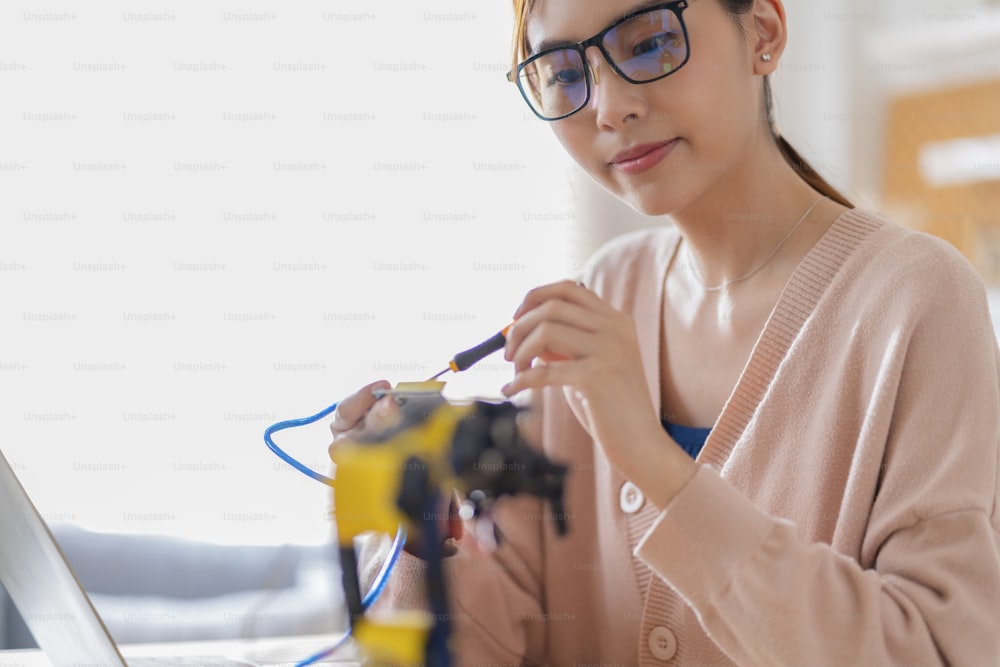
(547, 44)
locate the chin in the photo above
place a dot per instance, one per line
(652, 199)
(650, 207)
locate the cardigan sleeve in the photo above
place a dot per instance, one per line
(932, 593)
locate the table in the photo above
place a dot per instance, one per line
(271, 651)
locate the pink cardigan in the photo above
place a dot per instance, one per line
(845, 511)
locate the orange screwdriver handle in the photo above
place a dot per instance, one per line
(466, 359)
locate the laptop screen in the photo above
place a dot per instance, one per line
(43, 587)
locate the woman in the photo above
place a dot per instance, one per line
(781, 414)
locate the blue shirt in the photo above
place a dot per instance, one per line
(690, 439)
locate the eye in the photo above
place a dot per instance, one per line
(652, 45)
(566, 77)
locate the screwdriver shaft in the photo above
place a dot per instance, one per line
(435, 377)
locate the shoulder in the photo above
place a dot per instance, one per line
(902, 263)
(902, 289)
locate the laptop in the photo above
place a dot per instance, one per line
(49, 596)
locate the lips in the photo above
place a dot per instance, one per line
(642, 157)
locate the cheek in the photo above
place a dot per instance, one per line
(702, 101)
(576, 140)
(579, 139)
(721, 102)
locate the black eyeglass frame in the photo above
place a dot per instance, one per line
(676, 6)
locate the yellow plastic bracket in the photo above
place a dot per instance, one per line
(369, 474)
(397, 639)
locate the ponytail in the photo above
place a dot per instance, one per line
(808, 174)
(792, 157)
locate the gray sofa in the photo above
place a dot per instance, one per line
(156, 588)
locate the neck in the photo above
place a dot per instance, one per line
(731, 229)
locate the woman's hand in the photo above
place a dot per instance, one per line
(591, 350)
(361, 412)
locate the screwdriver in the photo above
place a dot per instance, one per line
(466, 359)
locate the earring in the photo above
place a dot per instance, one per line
(766, 57)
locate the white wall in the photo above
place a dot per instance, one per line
(216, 215)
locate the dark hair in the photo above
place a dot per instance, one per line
(736, 9)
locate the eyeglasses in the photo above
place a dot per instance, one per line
(642, 47)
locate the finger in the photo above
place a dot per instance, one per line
(352, 409)
(384, 412)
(455, 529)
(555, 374)
(566, 290)
(551, 342)
(554, 310)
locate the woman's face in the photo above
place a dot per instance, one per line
(710, 111)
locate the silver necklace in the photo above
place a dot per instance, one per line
(754, 270)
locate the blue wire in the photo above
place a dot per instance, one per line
(382, 578)
(293, 423)
(376, 590)
(383, 574)
(316, 657)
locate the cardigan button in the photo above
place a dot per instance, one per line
(662, 643)
(630, 498)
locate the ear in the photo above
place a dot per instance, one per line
(770, 34)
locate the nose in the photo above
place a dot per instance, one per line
(614, 100)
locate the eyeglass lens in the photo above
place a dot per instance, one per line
(644, 48)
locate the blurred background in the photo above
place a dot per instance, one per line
(216, 215)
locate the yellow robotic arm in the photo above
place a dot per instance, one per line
(399, 476)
